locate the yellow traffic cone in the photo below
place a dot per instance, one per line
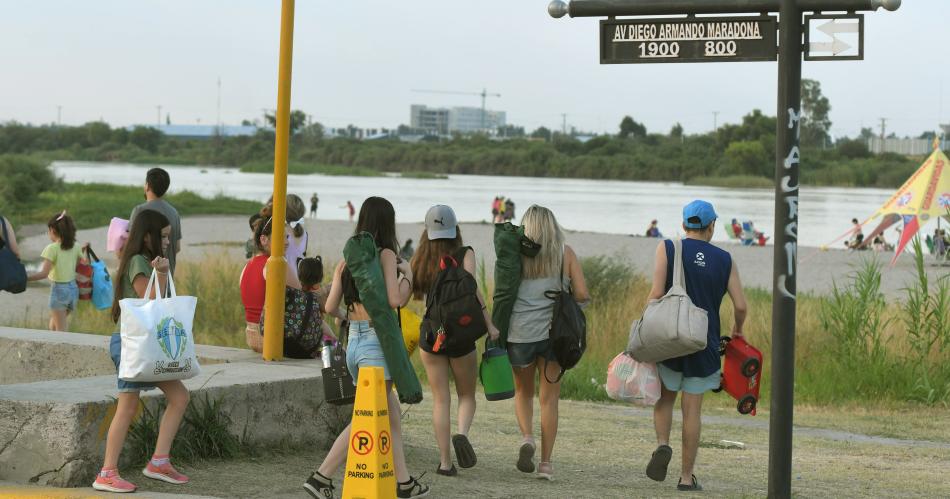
(369, 462)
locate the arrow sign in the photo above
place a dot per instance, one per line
(831, 27)
(835, 47)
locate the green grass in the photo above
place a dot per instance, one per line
(94, 205)
(301, 168)
(733, 182)
(852, 347)
(424, 175)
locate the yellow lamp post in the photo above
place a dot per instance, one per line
(277, 264)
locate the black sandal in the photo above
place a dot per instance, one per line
(412, 488)
(449, 472)
(464, 451)
(692, 487)
(659, 462)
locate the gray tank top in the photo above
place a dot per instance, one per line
(532, 313)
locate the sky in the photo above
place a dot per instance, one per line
(357, 62)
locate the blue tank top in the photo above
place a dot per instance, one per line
(706, 270)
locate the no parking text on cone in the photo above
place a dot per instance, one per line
(369, 461)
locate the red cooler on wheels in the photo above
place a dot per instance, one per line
(741, 373)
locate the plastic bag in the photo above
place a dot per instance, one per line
(629, 380)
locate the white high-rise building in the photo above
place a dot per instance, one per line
(457, 119)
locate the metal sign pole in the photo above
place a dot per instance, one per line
(788, 158)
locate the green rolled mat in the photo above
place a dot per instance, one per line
(507, 275)
(362, 260)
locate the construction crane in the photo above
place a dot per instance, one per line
(484, 93)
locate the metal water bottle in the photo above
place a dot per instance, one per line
(325, 353)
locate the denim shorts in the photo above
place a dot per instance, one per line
(115, 350)
(674, 381)
(364, 350)
(63, 296)
(523, 354)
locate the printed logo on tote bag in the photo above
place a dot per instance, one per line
(172, 338)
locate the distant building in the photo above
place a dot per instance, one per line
(443, 121)
(203, 132)
(909, 147)
(435, 120)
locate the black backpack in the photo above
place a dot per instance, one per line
(452, 307)
(568, 329)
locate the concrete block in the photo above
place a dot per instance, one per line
(53, 429)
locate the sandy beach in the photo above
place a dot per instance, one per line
(224, 236)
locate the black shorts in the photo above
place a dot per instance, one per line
(453, 353)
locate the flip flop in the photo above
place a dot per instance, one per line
(660, 460)
(694, 486)
(464, 452)
(525, 457)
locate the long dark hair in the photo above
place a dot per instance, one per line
(145, 238)
(62, 224)
(262, 227)
(425, 262)
(378, 217)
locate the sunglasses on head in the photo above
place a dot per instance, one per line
(529, 248)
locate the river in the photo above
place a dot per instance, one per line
(610, 206)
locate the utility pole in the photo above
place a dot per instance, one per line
(715, 120)
(883, 129)
(159, 121)
(219, 104)
(563, 124)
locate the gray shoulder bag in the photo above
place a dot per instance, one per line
(671, 326)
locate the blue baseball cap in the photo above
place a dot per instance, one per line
(700, 209)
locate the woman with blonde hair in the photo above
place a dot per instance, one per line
(529, 347)
(441, 240)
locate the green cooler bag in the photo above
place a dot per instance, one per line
(495, 373)
(362, 260)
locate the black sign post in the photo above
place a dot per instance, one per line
(637, 40)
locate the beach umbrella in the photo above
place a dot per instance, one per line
(924, 196)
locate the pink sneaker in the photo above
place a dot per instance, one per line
(112, 483)
(165, 473)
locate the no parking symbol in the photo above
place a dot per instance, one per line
(362, 443)
(384, 442)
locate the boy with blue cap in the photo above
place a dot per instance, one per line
(709, 273)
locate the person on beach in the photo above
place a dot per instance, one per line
(298, 238)
(253, 283)
(653, 230)
(314, 201)
(709, 273)
(442, 238)
(407, 250)
(857, 236)
(59, 264)
(157, 182)
(529, 345)
(350, 209)
(11, 234)
(509, 210)
(378, 218)
(149, 240)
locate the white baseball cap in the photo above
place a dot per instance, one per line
(441, 222)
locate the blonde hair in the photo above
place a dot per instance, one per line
(541, 227)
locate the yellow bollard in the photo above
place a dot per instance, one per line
(369, 462)
(276, 264)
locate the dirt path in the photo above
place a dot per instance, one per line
(602, 450)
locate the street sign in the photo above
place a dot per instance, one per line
(687, 39)
(841, 38)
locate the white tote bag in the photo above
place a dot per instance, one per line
(158, 342)
(671, 326)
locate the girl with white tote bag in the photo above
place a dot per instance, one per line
(143, 268)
